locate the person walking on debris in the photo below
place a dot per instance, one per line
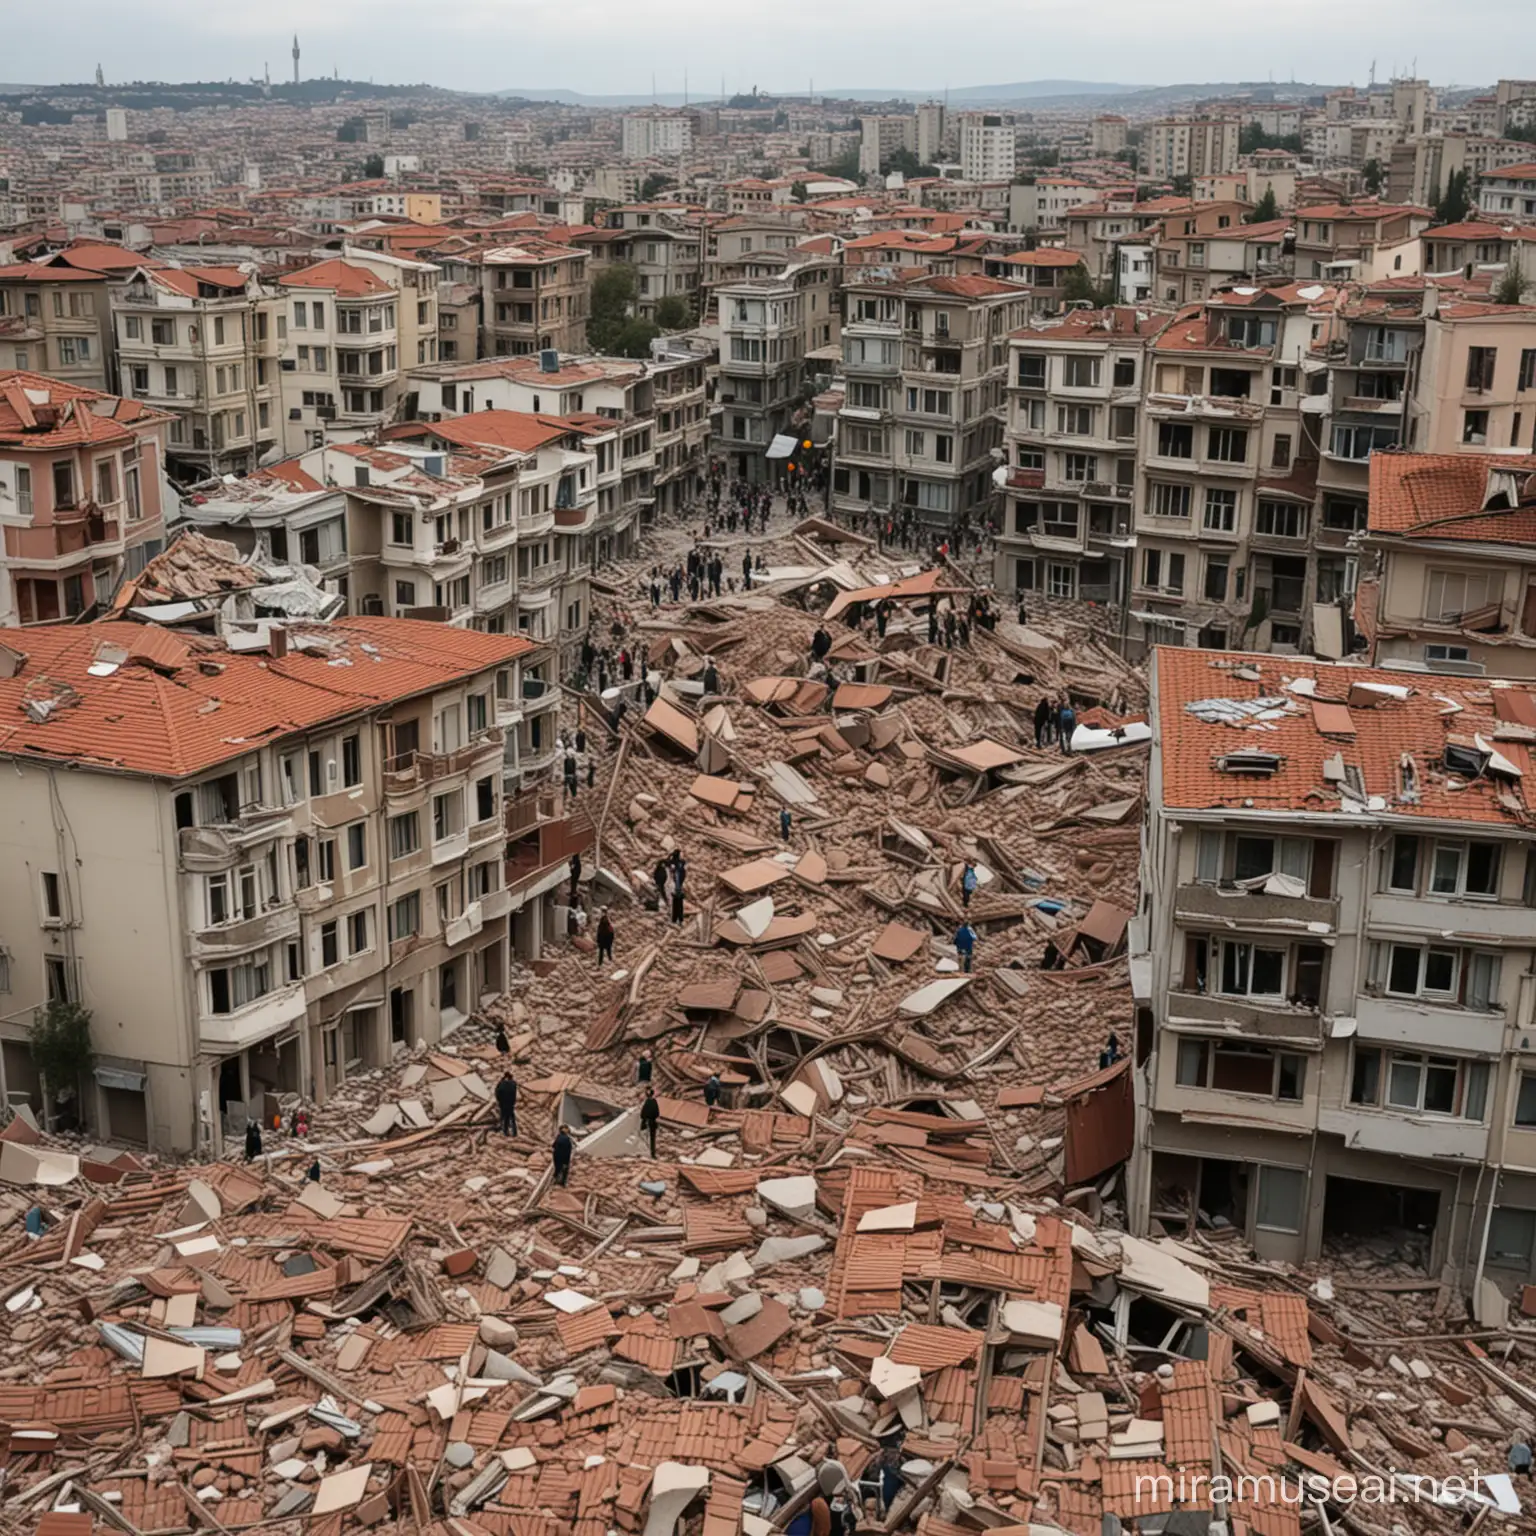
(965, 944)
(643, 1068)
(712, 1091)
(506, 1102)
(1066, 723)
(561, 1151)
(314, 1172)
(821, 643)
(785, 821)
(575, 876)
(570, 774)
(650, 1113)
(933, 622)
(655, 589)
(252, 1141)
(968, 884)
(1044, 714)
(1111, 1052)
(604, 937)
(659, 875)
(746, 571)
(711, 678)
(503, 1045)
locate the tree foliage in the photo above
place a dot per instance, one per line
(845, 167)
(674, 312)
(1455, 205)
(653, 184)
(908, 164)
(60, 1041)
(1079, 286)
(613, 328)
(1372, 174)
(1266, 208)
(1513, 286)
(1252, 137)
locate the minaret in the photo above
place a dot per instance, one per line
(100, 79)
(295, 58)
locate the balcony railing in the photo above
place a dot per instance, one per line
(411, 770)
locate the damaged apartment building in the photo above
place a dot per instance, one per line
(1334, 972)
(263, 863)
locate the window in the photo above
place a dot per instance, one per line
(485, 799)
(1175, 440)
(325, 858)
(1360, 442)
(330, 944)
(1414, 972)
(405, 594)
(1220, 514)
(446, 812)
(1481, 362)
(1281, 519)
(63, 483)
(1252, 970)
(1080, 373)
(1474, 427)
(1031, 370)
(1527, 369)
(232, 987)
(943, 447)
(162, 332)
(917, 444)
(1282, 1194)
(1280, 457)
(1081, 467)
(405, 917)
(1060, 579)
(357, 933)
(1215, 587)
(404, 834)
(482, 879)
(1403, 864)
(351, 761)
(1125, 373)
(300, 314)
(1227, 445)
(1450, 595)
(1156, 563)
(1511, 1236)
(53, 898)
(1193, 1066)
(133, 328)
(1075, 420)
(357, 845)
(1169, 500)
(1464, 869)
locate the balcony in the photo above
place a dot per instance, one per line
(522, 813)
(538, 694)
(206, 850)
(1247, 1018)
(414, 770)
(255, 1021)
(531, 524)
(1199, 903)
(1426, 1024)
(532, 761)
(494, 595)
(451, 846)
(277, 923)
(553, 846)
(75, 533)
(1407, 1135)
(1460, 922)
(466, 925)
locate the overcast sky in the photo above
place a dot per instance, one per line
(601, 47)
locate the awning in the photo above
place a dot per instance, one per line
(115, 1077)
(782, 446)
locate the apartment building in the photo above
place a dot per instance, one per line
(1453, 540)
(352, 327)
(55, 319)
(988, 147)
(769, 324)
(200, 343)
(1462, 249)
(80, 505)
(1069, 474)
(535, 295)
(925, 360)
(1363, 241)
(1178, 147)
(656, 135)
(657, 409)
(1332, 962)
(1224, 510)
(1508, 193)
(1208, 246)
(461, 533)
(663, 246)
(1473, 384)
(880, 137)
(308, 861)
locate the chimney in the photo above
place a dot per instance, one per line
(277, 641)
(1430, 308)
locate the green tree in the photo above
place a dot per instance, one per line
(1372, 175)
(845, 167)
(1081, 288)
(674, 313)
(1252, 137)
(1183, 186)
(613, 328)
(908, 164)
(1267, 208)
(1513, 286)
(800, 192)
(1457, 202)
(1524, 132)
(652, 185)
(373, 167)
(60, 1042)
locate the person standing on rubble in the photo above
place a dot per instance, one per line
(1111, 1052)
(711, 678)
(933, 622)
(821, 643)
(252, 1141)
(659, 875)
(655, 589)
(561, 1152)
(965, 944)
(1045, 714)
(650, 1114)
(746, 571)
(1066, 723)
(575, 877)
(968, 884)
(506, 1102)
(712, 1091)
(785, 822)
(643, 1068)
(604, 937)
(570, 774)
(503, 1045)
(677, 889)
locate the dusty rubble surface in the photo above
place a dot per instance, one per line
(890, 1246)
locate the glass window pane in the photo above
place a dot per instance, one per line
(1440, 970)
(1365, 1085)
(1405, 863)
(1525, 1105)
(1403, 1084)
(1445, 877)
(1440, 1089)
(1403, 971)
(1268, 973)
(1281, 1194)
(1511, 1234)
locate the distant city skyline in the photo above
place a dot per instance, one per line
(597, 48)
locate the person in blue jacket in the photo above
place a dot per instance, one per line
(965, 944)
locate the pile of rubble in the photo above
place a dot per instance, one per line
(883, 1267)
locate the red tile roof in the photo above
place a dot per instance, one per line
(517, 430)
(39, 412)
(179, 706)
(1441, 496)
(345, 279)
(1388, 733)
